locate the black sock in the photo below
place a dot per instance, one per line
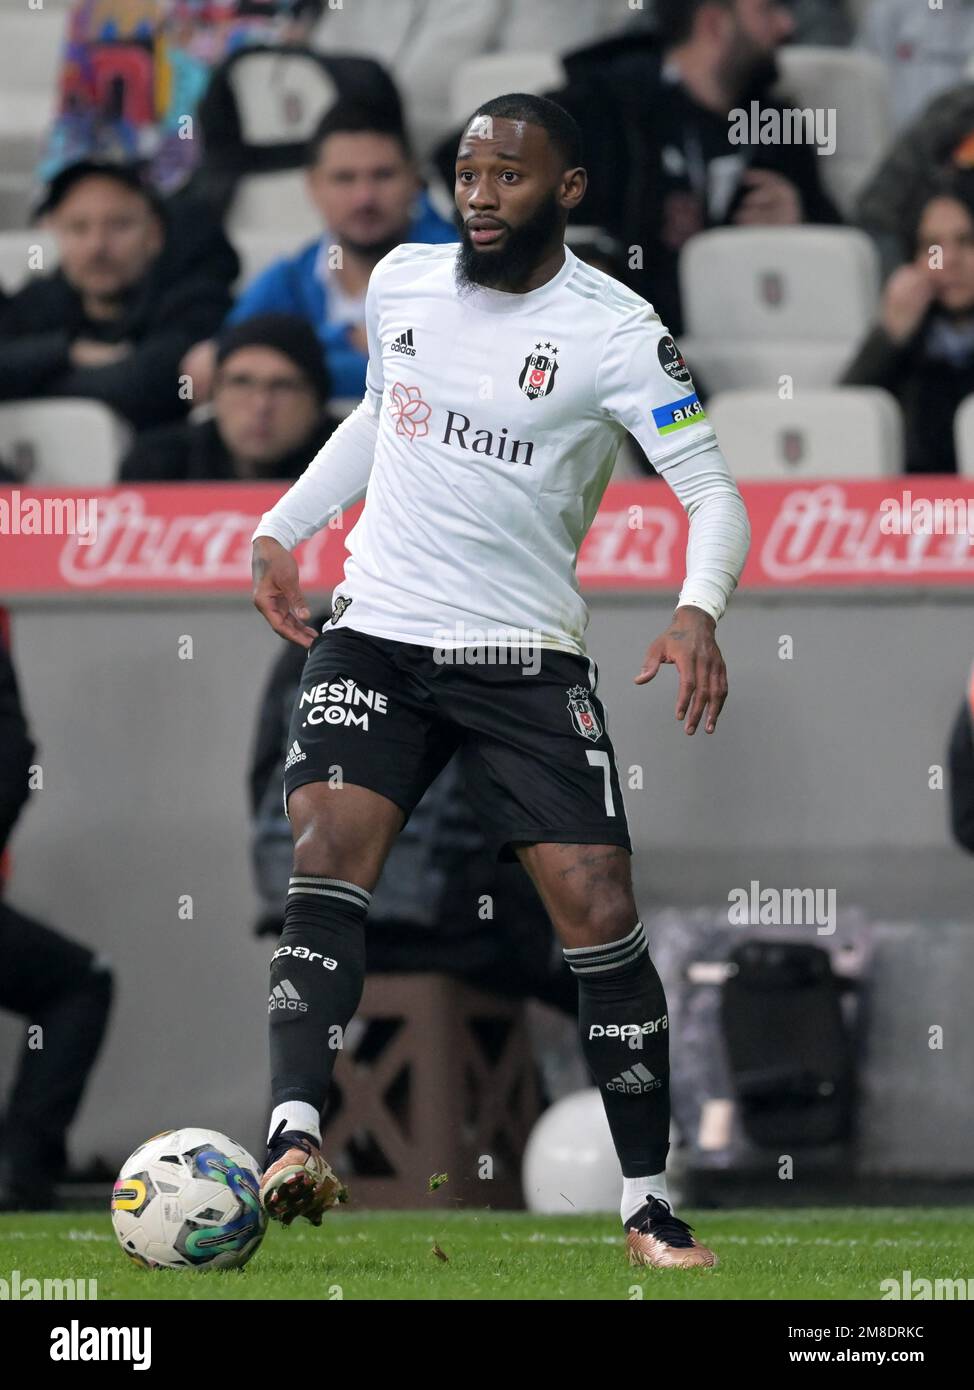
(317, 974)
(625, 1041)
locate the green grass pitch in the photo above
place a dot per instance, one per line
(818, 1253)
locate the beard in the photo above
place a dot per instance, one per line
(522, 252)
(748, 72)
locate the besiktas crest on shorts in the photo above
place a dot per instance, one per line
(584, 718)
(538, 373)
(339, 603)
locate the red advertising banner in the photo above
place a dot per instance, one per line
(906, 532)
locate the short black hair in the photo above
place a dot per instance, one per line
(350, 118)
(561, 128)
(675, 19)
(132, 176)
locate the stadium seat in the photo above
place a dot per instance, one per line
(74, 443)
(268, 203)
(30, 58)
(851, 432)
(964, 437)
(259, 249)
(19, 259)
(479, 79)
(760, 303)
(280, 96)
(854, 85)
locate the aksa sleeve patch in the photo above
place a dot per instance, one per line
(678, 414)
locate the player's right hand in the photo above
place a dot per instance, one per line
(277, 592)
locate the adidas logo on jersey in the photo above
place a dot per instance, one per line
(404, 344)
(294, 755)
(285, 996)
(635, 1081)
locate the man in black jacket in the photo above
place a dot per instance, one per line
(59, 987)
(270, 392)
(138, 283)
(660, 148)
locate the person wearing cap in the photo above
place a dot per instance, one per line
(132, 291)
(270, 393)
(922, 348)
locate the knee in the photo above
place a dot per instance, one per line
(322, 850)
(603, 919)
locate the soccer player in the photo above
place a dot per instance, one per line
(503, 373)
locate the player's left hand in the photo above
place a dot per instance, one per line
(689, 645)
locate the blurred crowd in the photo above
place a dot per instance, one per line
(221, 176)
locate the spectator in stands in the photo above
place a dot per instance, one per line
(939, 139)
(134, 72)
(961, 761)
(426, 910)
(362, 180)
(655, 120)
(59, 986)
(131, 294)
(925, 48)
(268, 418)
(922, 349)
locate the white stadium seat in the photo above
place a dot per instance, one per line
(479, 79)
(855, 87)
(760, 303)
(259, 249)
(850, 432)
(730, 366)
(73, 443)
(267, 203)
(30, 60)
(23, 254)
(964, 437)
(281, 97)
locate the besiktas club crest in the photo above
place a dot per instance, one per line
(538, 373)
(338, 606)
(584, 718)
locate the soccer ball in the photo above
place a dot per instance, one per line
(189, 1199)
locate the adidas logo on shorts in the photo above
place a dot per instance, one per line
(634, 1081)
(404, 344)
(285, 996)
(294, 755)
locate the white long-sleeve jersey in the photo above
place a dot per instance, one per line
(484, 444)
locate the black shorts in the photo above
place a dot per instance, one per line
(537, 760)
